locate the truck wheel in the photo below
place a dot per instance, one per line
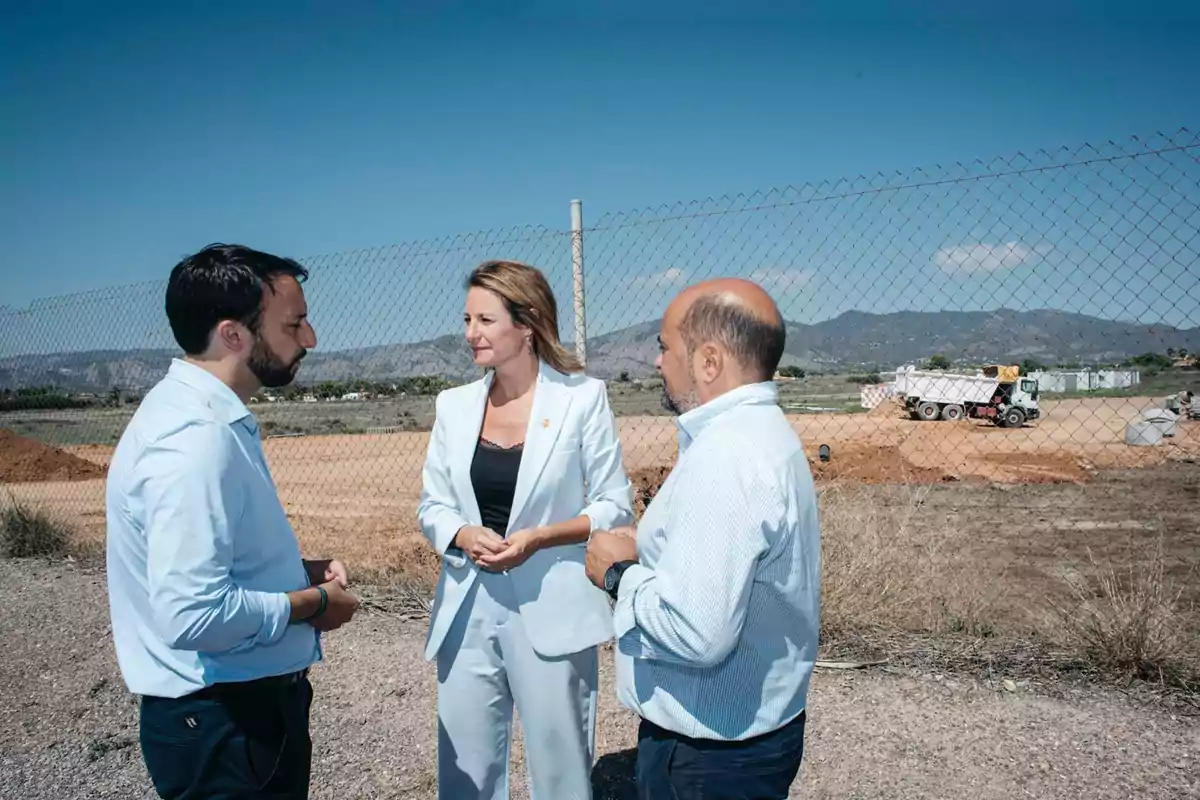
(1014, 418)
(928, 411)
(952, 413)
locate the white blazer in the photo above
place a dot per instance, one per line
(571, 440)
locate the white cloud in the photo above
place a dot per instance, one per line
(982, 257)
(672, 276)
(781, 278)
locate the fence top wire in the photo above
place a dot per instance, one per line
(417, 249)
(1182, 141)
(447, 245)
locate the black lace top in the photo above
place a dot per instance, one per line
(494, 477)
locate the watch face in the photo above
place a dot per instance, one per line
(610, 579)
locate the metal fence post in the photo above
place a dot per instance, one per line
(577, 272)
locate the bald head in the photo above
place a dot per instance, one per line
(735, 291)
(736, 314)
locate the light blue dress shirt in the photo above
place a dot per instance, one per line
(717, 626)
(200, 551)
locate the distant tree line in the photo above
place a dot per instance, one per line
(1149, 363)
(420, 385)
(938, 361)
(54, 398)
(1154, 362)
(38, 398)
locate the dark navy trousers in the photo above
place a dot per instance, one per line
(237, 741)
(675, 767)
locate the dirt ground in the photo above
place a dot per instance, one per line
(361, 491)
(1019, 541)
(71, 728)
(1016, 509)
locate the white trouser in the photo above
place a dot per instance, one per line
(485, 665)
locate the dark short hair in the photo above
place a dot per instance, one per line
(756, 343)
(222, 281)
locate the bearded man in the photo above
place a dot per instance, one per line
(216, 618)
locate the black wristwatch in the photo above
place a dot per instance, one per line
(612, 577)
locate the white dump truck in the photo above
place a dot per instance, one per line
(996, 393)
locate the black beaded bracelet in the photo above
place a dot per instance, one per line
(324, 602)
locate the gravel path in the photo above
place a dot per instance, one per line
(69, 729)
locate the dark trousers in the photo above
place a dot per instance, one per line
(233, 741)
(675, 767)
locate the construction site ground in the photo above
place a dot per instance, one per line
(1011, 511)
(70, 727)
(356, 495)
(360, 491)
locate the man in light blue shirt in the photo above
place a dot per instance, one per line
(718, 596)
(216, 617)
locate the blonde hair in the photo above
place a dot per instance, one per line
(527, 296)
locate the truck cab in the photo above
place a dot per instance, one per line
(1016, 402)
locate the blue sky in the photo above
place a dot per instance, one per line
(133, 133)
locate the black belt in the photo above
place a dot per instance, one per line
(270, 683)
(660, 732)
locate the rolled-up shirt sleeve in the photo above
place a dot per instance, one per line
(609, 488)
(191, 500)
(690, 608)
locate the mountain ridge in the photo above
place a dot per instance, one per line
(853, 340)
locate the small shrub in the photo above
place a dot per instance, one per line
(27, 532)
(1131, 620)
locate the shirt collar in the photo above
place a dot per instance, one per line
(218, 396)
(692, 423)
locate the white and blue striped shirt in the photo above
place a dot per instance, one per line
(200, 551)
(717, 625)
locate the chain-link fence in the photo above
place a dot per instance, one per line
(1031, 318)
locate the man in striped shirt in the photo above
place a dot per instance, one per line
(718, 590)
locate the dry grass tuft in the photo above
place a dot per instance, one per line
(902, 579)
(395, 590)
(884, 570)
(1131, 619)
(29, 532)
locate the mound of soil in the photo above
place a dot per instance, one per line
(847, 463)
(1038, 467)
(889, 408)
(646, 483)
(870, 464)
(27, 461)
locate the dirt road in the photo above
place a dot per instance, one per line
(70, 729)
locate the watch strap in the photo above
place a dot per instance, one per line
(619, 570)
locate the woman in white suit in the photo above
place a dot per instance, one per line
(515, 619)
